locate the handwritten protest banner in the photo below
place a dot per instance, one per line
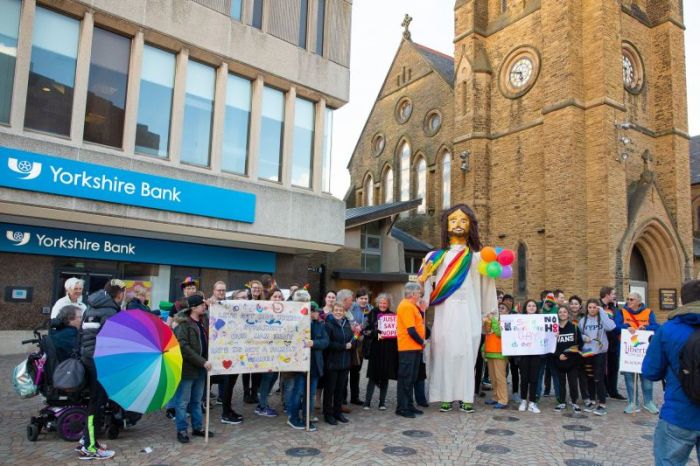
(529, 334)
(633, 348)
(258, 336)
(387, 325)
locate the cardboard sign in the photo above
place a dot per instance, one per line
(633, 348)
(259, 336)
(387, 325)
(529, 334)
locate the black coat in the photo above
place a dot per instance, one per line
(187, 334)
(65, 341)
(383, 354)
(320, 339)
(100, 307)
(339, 335)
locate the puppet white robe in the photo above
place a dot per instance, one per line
(456, 332)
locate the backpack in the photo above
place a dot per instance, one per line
(69, 375)
(689, 373)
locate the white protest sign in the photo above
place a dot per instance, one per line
(633, 348)
(386, 324)
(529, 334)
(259, 336)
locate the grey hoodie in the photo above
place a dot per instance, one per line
(595, 328)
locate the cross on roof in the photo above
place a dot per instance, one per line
(406, 23)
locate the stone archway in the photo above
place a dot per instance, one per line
(661, 259)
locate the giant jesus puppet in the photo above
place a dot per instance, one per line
(461, 296)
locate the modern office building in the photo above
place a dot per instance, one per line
(153, 140)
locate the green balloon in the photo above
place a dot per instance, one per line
(494, 269)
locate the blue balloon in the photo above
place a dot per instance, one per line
(498, 250)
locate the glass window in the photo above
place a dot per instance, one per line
(320, 22)
(369, 191)
(303, 18)
(155, 101)
(405, 175)
(420, 185)
(199, 109)
(234, 155)
(271, 134)
(9, 30)
(327, 149)
(522, 270)
(446, 180)
(106, 99)
(52, 72)
(304, 116)
(236, 9)
(389, 186)
(257, 14)
(371, 243)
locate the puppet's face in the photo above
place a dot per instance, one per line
(457, 226)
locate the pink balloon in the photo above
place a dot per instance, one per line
(506, 257)
(507, 272)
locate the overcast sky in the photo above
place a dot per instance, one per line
(376, 35)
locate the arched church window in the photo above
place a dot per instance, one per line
(421, 180)
(369, 191)
(388, 186)
(405, 175)
(446, 180)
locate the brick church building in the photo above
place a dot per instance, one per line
(563, 124)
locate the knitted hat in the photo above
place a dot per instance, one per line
(549, 299)
(187, 282)
(194, 301)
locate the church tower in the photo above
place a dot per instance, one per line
(570, 119)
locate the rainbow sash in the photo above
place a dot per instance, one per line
(454, 274)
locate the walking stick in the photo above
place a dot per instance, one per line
(206, 424)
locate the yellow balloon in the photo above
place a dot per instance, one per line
(482, 267)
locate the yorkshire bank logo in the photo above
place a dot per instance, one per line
(29, 170)
(17, 237)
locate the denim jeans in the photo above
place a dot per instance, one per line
(267, 380)
(647, 388)
(547, 363)
(312, 397)
(673, 445)
(293, 396)
(189, 399)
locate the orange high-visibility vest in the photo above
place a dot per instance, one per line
(636, 320)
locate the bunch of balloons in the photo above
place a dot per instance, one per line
(496, 262)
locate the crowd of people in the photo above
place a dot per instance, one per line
(581, 374)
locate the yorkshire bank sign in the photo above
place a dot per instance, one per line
(54, 175)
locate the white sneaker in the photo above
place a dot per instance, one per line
(99, 454)
(532, 407)
(523, 406)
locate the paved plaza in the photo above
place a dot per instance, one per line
(372, 437)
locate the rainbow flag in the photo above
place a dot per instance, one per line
(453, 277)
(587, 353)
(634, 339)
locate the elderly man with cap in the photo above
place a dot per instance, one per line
(74, 296)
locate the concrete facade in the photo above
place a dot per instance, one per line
(201, 31)
(548, 172)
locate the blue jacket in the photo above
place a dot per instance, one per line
(620, 319)
(662, 362)
(320, 339)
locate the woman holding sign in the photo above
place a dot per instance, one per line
(383, 354)
(593, 327)
(529, 369)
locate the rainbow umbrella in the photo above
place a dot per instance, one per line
(138, 361)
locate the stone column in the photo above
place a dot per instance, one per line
(318, 148)
(288, 137)
(217, 130)
(24, 55)
(133, 91)
(255, 127)
(82, 74)
(178, 104)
